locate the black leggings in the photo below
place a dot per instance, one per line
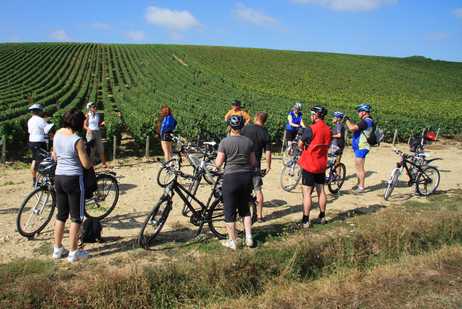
(237, 188)
(70, 198)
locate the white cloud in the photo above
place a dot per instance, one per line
(349, 5)
(458, 12)
(171, 19)
(135, 35)
(254, 16)
(101, 26)
(60, 35)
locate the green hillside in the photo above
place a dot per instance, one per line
(131, 82)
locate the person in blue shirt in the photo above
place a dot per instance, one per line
(294, 123)
(361, 131)
(166, 126)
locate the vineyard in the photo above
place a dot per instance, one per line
(130, 83)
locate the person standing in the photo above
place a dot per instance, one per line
(315, 144)
(71, 156)
(166, 124)
(258, 134)
(338, 134)
(361, 147)
(93, 125)
(294, 123)
(236, 152)
(38, 130)
(236, 110)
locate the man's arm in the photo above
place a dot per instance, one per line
(268, 157)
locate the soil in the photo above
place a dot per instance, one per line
(139, 192)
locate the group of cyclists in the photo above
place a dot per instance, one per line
(240, 154)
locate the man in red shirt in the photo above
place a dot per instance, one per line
(315, 144)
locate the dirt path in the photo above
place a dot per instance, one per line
(139, 191)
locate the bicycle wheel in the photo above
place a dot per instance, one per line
(166, 173)
(290, 177)
(392, 183)
(154, 223)
(427, 181)
(336, 179)
(288, 154)
(217, 218)
(104, 199)
(35, 212)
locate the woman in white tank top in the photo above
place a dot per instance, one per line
(93, 126)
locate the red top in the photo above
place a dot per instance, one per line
(314, 158)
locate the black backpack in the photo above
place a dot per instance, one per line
(90, 231)
(376, 136)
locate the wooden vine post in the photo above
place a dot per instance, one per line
(3, 149)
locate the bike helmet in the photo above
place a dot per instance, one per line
(236, 122)
(236, 103)
(320, 111)
(430, 136)
(298, 106)
(36, 107)
(339, 115)
(364, 107)
(47, 167)
(90, 105)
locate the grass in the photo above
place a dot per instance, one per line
(291, 261)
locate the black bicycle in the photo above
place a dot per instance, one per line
(39, 205)
(210, 213)
(426, 178)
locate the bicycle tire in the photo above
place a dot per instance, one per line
(339, 172)
(289, 179)
(216, 219)
(22, 209)
(99, 197)
(164, 180)
(393, 180)
(286, 157)
(155, 219)
(424, 178)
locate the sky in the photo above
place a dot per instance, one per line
(398, 28)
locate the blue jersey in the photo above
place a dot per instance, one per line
(296, 119)
(168, 124)
(359, 140)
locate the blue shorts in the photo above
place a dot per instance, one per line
(361, 153)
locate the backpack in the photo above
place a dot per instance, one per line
(90, 231)
(376, 136)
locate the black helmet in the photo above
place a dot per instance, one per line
(236, 122)
(319, 110)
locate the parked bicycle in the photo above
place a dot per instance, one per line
(38, 207)
(426, 178)
(210, 213)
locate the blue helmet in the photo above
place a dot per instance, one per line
(364, 107)
(339, 115)
(236, 122)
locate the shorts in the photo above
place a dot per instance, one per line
(237, 188)
(291, 135)
(166, 137)
(37, 156)
(361, 153)
(94, 137)
(257, 181)
(70, 198)
(312, 179)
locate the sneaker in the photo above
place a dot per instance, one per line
(306, 224)
(322, 220)
(249, 242)
(59, 253)
(358, 190)
(229, 243)
(77, 255)
(261, 220)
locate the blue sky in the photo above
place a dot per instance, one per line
(375, 27)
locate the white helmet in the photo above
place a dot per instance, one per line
(90, 104)
(36, 107)
(298, 106)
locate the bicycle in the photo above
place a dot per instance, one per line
(193, 155)
(426, 178)
(291, 172)
(39, 205)
(210, 213)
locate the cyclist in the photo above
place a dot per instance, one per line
(166, 124)
(315, 144)
(359, 141)
(71, 156)
(237, 110)
(92, 125)
(338, 134)
(294, 123)
(236, 152)
(258, 134)
(38, 130)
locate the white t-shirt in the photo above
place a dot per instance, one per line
(93, 121)
(38, 129)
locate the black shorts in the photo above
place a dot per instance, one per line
(311, 179)
(70, 198)
(237, 188)
(166, 137)
(291, 135)
(35, 148)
